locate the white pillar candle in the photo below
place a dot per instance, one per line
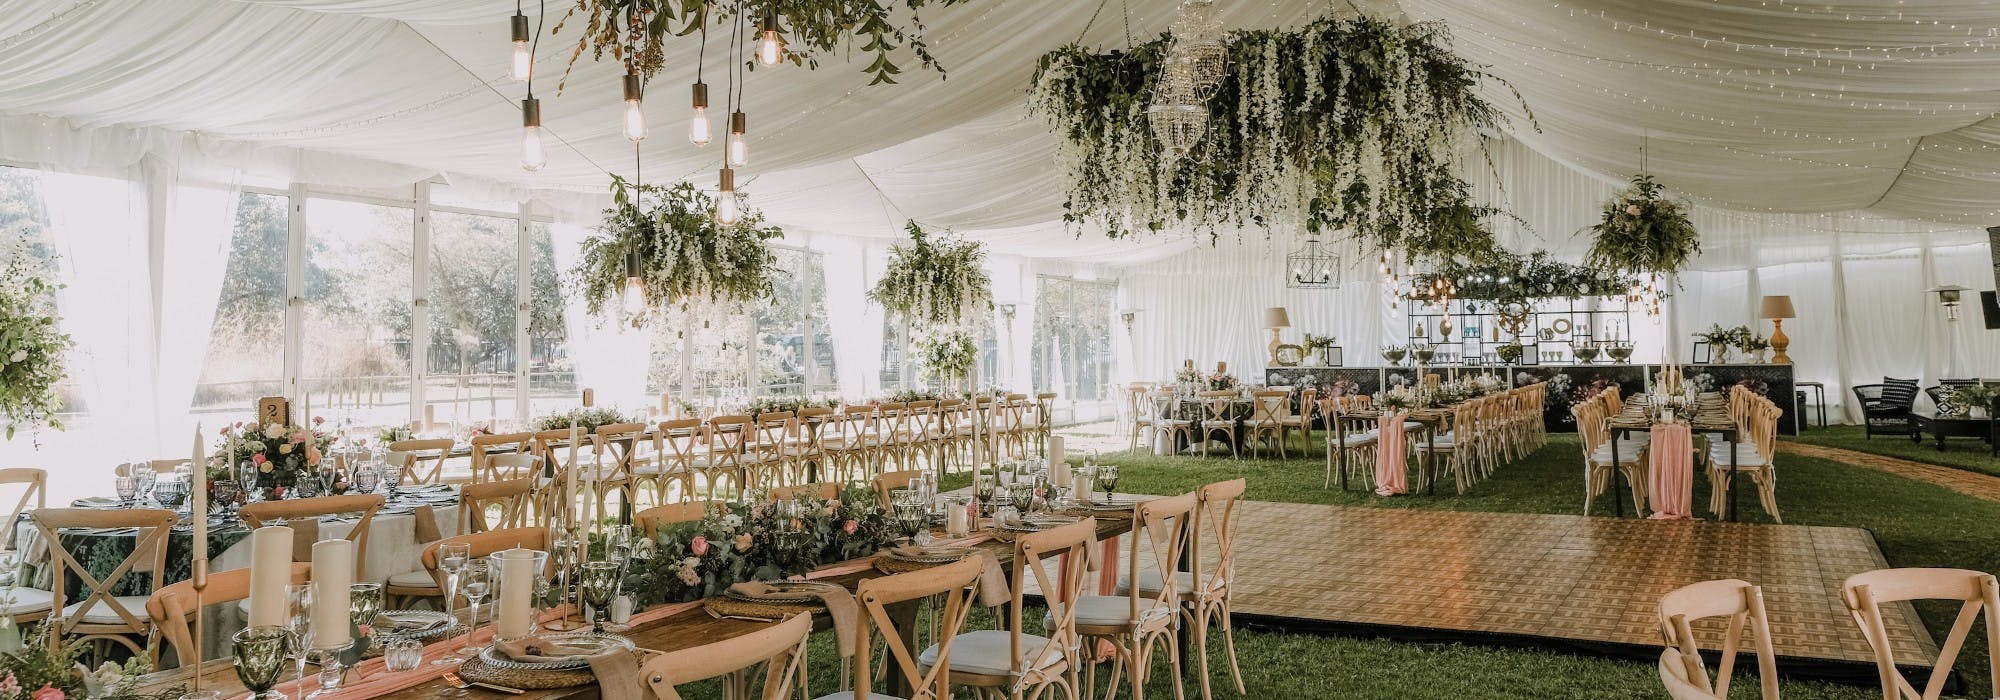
(569, 494)
(517, 585)
(198, 507)
(270, 571)
(430, 417)
(1058, 467)
(333, 573)
(960, 523)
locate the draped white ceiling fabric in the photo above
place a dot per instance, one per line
(1777, 117)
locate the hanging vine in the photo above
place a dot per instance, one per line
(810, 27)
(684, 256)
(1343, 124)
(934, 283)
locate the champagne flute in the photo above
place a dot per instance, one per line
(475, 582)
(298, 623)
(599, 579)
(451, 560)
(260, 654)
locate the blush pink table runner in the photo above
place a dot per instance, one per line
(1670, 471)
(1391, 456)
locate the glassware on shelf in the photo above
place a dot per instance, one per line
(260, 654)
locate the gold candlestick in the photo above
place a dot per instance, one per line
(200, 629)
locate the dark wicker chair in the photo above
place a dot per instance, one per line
(1886, 407)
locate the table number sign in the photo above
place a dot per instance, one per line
(274, 410)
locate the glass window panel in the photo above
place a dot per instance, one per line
(246, 342)
(798, 305)
(474, 264)
(1071, 355)
(358, 311)
(551, 371)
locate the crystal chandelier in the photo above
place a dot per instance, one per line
(1189, 75)
(1178, 121)
(1314, 266)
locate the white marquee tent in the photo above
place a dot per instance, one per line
(1840, 153)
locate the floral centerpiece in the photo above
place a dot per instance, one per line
(1396, 398)
(681, 254)
(1643, 232)
(909, 395)
(586, 418)
(1974, 399)
(788, 404)
(32, 345)
(1221, 382)
(1755, 386)
(1721, 340)
(1341, 387)
(948, 357)
(280, 452)
(1752, 344)
(394, 434)
(34, 669)
(1190, 376)
(759, 543)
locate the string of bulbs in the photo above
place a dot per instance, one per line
(769, 52)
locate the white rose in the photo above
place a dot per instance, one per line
(274, 431)
(18, 356)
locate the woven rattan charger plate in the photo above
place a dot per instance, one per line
(474, 670)
(725, 606)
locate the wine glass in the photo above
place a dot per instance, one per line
(171, 493)
(247, 478)
(1021, 494)
(1107, 478)
(1090, 459)
(451, 560)
(364, 600)
(983, 487)
(474, 581)
(148, 478)
(366, 478)
(298, 624)
(260, 654)
(600, 578)
(127, 487)
(222, 495)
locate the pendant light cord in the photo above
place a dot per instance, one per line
(535, 46)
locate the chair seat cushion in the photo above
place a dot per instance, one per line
(103, 614)
(29, 600)
(414, 579)
(1149, 582)
(1104, 611)
(1746, 456)
(1358, 439)
(985, 652)
(1626, 454)
(849, 695)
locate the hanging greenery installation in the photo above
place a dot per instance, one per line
(1344, 124)
(32, 349)
(809, 28)
(934, 283)
(1502, 276)
(684, 257)
(1644, 232)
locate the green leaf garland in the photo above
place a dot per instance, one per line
(637, 30)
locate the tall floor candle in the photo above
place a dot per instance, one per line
(333, 574)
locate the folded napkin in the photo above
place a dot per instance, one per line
(993, 590)
(839, 604)
(97, 502)
(387, 624)
(616, 670)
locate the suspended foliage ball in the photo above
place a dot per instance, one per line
(32, 346)
(685, 257)
(1644, 232)
(934, 283)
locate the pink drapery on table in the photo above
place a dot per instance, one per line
(1391, 456)
(1670, 471)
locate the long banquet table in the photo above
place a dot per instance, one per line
(688, 628)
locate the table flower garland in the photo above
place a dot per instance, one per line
(750, 543)
(34, 669)
(279, 452)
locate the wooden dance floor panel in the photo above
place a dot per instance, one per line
(1583, 579)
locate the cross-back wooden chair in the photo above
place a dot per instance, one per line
(726, 436)
(849, 442)
(952, 582)
(652, 519)
(1216, 407)
(1350, 443)
(1012, 663)
(1136, 623)
(780, 647)
(1209, 593)
(259, 514)
(171, 607)
(511, 498)
(488, 451)
(1267, 418)
(100, 615)
(1866, 592)
(613, 449)
(770, 461)
(425, 464)
(553, 447)
(1138, 411)
(892, 437)
(27, 604)
(1681, 667)
(484, 544)
(887, 482)
(678, 448)
(812, 424)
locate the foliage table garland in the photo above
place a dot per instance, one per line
(1341, 124)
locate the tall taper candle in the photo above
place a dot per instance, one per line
(270, 571)
(569, 489)
(517, 582)
(198, 491)
(333, 574)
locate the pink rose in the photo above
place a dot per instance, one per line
(699, 545)
(48, 692)
(258, 459)
(224, 431)
(299, 437)
(318, 420)
(850, 527)
(277, 492)
(743, 542)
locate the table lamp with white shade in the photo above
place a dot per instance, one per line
(1778, 308)
(1276, 318)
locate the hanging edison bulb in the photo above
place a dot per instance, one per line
(727, 210)
(533, 154)
(698, 132)
(635, 111)
(739, 142)
(635, 284)
(523, 61)
(770, 47)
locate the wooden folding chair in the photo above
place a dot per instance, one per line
(425, 463)
(1866, 592)
(780, 647)
(1012, 663)
(1681, 668)
(27, 604)
(487, 453)
(1135, 623)
(952, 581)
(259, 514)
(512, 498)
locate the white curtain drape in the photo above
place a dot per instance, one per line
(611, 357)
(856, 325)
(199, 221)
(106, 302)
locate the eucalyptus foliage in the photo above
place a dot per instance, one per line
(1347, 124)
(934, 282)
(1644, 232)
(685, 257)
(809, 28)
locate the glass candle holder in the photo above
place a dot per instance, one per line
(402, 654)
